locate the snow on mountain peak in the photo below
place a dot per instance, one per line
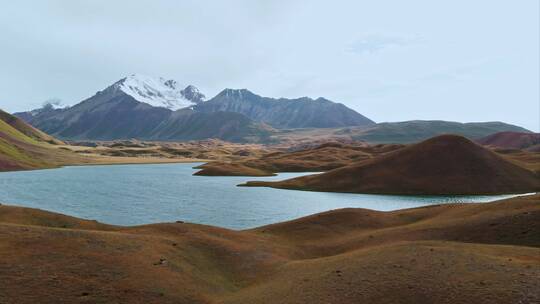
(160, 92)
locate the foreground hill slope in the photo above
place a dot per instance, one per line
(512, 140)
(446, 164)
(464, 253)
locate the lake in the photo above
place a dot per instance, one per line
(143, 194)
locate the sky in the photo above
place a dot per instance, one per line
(457, 60)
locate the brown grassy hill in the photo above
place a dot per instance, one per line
(27, 129)
(446, 164)
(325, 157)
(23, 147)
(511, 140)
(526, 159)
(464, 253)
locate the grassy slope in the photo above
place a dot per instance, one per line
(19, 151)
(477, 253)
(511, 140)
(26, 129)
(15, 150)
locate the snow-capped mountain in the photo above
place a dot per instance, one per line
(48, 106)
(146, 108)
(54, 103)
(160, 92)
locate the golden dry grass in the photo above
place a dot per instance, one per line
(460, 253)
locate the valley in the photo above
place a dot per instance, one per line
(167, 232)
(265, 152)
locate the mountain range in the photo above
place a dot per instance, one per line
(149, 108)
(158, 109)
(285, 113)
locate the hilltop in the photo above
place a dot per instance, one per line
(446, 164)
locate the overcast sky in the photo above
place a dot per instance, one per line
(389, 60)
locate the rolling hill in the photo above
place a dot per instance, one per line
(457, 253)
(324, 157)
(512, 140)
(443, 165)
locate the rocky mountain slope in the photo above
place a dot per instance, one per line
(443, 165)
(285, 113)
(149, 108)
(142, 108)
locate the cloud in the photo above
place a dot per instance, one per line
(375, 43)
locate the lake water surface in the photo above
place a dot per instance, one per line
(142, 194)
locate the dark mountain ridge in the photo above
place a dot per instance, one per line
(149, 108)
(285, 113)
(112, 114)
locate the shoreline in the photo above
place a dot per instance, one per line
(106, 163)
(506, 197)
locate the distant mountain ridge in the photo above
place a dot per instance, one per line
(285, 113)
(149, 108)
(111, 115)
(418, 130)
